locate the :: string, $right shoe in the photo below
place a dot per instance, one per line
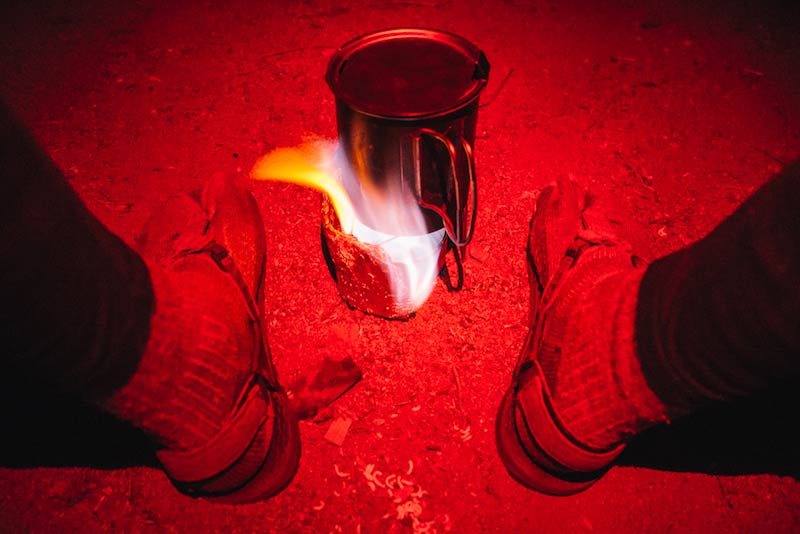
(577, 393)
